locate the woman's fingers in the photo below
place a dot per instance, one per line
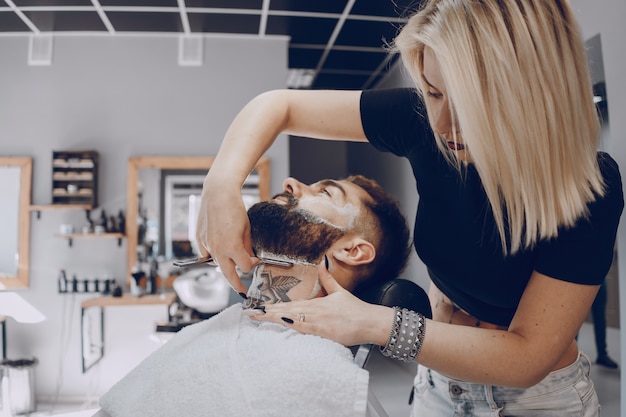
(336, 316)
(243, 256)
(229, 262)
(202, 233)
(298, 315)
(229, 270)
(223, 231)
(332, 317)
(327, 280)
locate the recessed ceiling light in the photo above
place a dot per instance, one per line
(299, 78)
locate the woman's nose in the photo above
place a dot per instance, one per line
(294, 187)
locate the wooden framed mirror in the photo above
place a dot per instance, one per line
(160, 216)
(15, 187)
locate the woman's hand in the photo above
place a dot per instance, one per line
(339, 316)
(223, 231)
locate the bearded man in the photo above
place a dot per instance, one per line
(231, 365)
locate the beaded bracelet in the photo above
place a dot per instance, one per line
(406, 336)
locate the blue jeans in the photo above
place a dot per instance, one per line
(565, 392)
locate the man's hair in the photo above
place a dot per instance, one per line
(384, 225)
(520, 95)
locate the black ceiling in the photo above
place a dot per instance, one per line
(339, 43)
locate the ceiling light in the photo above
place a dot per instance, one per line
(40, 50)
(299, 78)
(190, 50)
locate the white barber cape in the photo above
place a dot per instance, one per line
(231, 365)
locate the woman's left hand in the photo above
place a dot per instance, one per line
(339, 316)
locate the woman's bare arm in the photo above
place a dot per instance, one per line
(223, 228)
(542, 332)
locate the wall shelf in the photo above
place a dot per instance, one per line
(72, 236)
(126, 299)
(39, 208)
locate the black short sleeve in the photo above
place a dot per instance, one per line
(395, 120)
(583, 253)
(455, 233)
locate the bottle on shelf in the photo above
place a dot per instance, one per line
(151, 283)
(121, 222)
(62, 282)
(74, 283)
(112, 225)
(136, 289)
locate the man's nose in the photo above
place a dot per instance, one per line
(294, 187)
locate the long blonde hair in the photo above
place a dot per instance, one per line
(520, 94)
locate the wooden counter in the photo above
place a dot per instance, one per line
(126, 299)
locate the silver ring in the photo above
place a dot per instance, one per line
(301, 317)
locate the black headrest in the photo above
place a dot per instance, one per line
(402, 293)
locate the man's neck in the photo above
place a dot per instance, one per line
(274, 284)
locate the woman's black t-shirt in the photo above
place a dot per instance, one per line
(455, 234)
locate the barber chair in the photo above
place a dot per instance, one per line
(398, 292)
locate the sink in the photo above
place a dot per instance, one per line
(203, 289)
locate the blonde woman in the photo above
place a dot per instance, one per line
(517, 214)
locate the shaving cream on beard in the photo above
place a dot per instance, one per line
(291, 231)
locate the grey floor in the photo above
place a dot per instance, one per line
(391, 381)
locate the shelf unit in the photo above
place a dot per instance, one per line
(71, 236)
(39, 208)
(75, 178)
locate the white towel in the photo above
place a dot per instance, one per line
(230, 365)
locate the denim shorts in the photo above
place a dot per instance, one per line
(564, 392)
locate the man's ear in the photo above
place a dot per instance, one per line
(355, 251)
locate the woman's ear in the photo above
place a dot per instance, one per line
(355, 251)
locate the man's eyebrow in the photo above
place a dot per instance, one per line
(335, 184)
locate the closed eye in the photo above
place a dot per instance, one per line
(338, 192)
(434, 95)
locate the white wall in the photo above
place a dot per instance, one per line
(607, 17)
(123, 96)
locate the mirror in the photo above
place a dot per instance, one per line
(15, 188)
(162, 202)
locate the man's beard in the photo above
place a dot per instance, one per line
(288, 231)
